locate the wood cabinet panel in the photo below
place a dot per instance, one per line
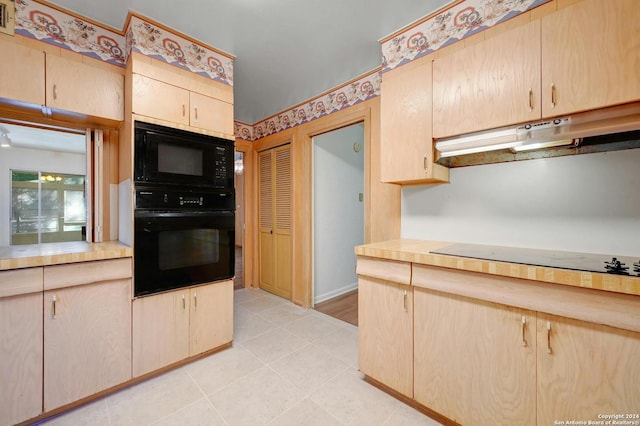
(211, 316)
(385, 333)
(68, 275)
(153, 98)
(87, 340)
(14, 282)
(590, 370)
(474, 361)
(81, 88)
(590, 56)
(406, 150)
(160, 331)
(489, 84)
(211, 114)
(21, 64)
(21, 360)
(389, 270)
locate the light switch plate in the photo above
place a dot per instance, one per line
(7, 16)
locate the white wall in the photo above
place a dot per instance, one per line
(585, 203)
(16, 158)
(338, 216)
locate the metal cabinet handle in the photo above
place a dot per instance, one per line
(405, 301)
(184, 303)
(424, 163)
(196, 111)
(524, 327)
(55, 92)
(53, 307)
(530, 99)
(549, 351)
(195, 300)
(553, 95)
(183, 110)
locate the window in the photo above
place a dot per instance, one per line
(47, 207)
(44, 177)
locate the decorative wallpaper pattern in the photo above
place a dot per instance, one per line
(347, 95)
(54, 27)
(456, 23)
(44, 23)
(158, 43)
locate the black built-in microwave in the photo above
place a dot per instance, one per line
(174, 157)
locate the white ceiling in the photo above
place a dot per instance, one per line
(46, 139)
(287, 51)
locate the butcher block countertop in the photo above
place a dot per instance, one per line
(420, 252)
(27, 256)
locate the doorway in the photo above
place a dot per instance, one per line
(239, 180)
(338, 217)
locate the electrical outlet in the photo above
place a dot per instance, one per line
(7, 16)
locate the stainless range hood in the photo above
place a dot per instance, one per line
(564, 134)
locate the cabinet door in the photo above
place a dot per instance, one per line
(475, 362)
(78, 87)
(160, 331)
(490, 84)
(156, 99)
(21, 364)
(21, 64)
(385, 333)
(585, 370)
(211, 320)
(211, 114)
(590, 56)
(87, 340)
(406, 149)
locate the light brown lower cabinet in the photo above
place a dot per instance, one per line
(586, 370)
(385, 323)
(172, 326)
(21, 360)
(475, 361)
(87, 340)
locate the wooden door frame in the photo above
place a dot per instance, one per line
(249, 219)
(382, 201)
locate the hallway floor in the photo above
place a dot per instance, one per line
(288, 366)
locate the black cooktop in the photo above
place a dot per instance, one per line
(591, 262)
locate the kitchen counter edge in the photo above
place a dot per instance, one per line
(28, 256)
(418, 251)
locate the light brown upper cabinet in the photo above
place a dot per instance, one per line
(73, 85)
(171, 94)
(488, 84)
(21, 64)
(274, 207)
(157, 99)
(590, 56)
(406, 147)
(580, 58)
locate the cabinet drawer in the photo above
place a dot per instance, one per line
(389, 270)
(20, 281)
(69, 275)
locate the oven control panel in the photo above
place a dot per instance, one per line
(169, 198)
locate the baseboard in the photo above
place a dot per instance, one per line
(334, 293)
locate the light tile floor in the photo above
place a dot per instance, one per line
(287, 366)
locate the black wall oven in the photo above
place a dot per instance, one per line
(184, 216)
